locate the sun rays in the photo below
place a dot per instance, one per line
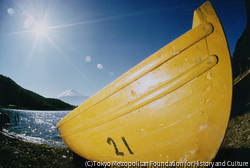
(42, 28)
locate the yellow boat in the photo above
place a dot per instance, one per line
(173, 106)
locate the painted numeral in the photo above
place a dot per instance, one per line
(109, 140)
(116, 149)
(126, 144)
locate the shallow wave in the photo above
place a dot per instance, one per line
(24, 137)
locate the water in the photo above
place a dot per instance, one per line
(35, 126)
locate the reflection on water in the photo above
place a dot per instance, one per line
(35, 126)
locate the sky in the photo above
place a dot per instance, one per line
(50, 46)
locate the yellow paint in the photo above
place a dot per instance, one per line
(173, 106)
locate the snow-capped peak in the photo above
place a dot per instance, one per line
(72, 97)
(70, 92)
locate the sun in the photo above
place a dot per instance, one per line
(41, 29)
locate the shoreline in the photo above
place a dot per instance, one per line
(30, 139)
(17, 153)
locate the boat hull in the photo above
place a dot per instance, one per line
(173, 106)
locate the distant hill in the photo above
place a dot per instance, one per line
(13, 95)
(72, 97)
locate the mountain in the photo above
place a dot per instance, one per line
(13, 95)
(241, 55)
(241, 66)
(72, 97)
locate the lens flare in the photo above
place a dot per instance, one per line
(11, 11)
(28, 22)
(99, 66)
(88, 59)
(111, 73)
